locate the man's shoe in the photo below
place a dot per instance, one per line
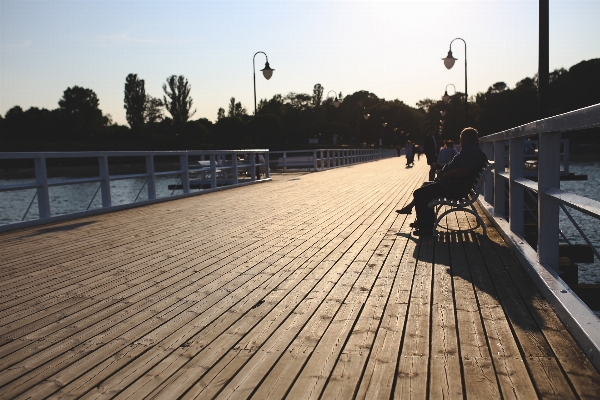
(423, 233)
(405, 210)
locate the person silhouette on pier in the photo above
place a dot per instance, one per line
(454, 181)
(431, 150)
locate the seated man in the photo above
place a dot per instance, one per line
(454, 181)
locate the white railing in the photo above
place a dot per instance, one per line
(321, 159)
(217, 169)
(212, 170)
(543, 262)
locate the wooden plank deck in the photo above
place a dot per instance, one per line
(310, 286)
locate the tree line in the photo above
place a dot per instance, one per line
(292, 121)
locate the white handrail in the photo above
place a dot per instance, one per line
(548, 185)
(542, 264)
(42, 183)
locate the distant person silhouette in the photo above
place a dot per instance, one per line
(430, 148)
(410, 155)
(447, 153)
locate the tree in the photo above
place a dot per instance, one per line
(317, 95)
(220, 113)
(135, 101)
(235, 109)
(81, 116)
(177, 100)
(298, 101)
(80, 100)
(153, 109)
(498, 87)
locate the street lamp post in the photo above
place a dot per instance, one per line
(449, 63)
(267, 73)
(336, 103)
(445, 97)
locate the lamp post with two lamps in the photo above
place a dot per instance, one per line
(336, 103)
(449, 63)
(267, 73)
(446, 97)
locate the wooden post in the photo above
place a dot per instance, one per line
(235, 168)
(213, 171)
(151, 178)
(41, 178)
(499, 183)
(488, 148)
(267, 173)
(185, 176)
(105, 183)
(548, 177)
(516, 166)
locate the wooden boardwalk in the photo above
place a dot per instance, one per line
(310, 286)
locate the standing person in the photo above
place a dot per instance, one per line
(410, 155)
(430, 148)
(447, 153)
(454, 181)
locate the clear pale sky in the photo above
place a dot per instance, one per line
(391, 48)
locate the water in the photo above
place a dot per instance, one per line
(74, 198)
(588, 273)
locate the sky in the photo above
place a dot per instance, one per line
(390, 48)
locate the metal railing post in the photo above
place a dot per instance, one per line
(267, 173)
(41, 178)
(548, 177)
(499, 182)
(105, 183)
(566, 156)
(488, 148)
(213, 171)
(253, 167)
(234, 166)
(185, 172)
(150, 177)
(315, 160)
(516, 207)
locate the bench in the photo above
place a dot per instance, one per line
(462, 204)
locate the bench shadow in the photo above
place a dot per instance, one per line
(61, 228)
(464, 257)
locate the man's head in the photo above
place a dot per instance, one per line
(468, 136)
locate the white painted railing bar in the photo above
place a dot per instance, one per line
(587, 206)
(320, 159)
(583, 235)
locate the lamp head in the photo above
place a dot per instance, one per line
(367, 116)
(267, 71)
(449, 60)
(443, 113)
(445, 97)
(336, 103)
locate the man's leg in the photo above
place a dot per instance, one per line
(432, 168)
(425, 214)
